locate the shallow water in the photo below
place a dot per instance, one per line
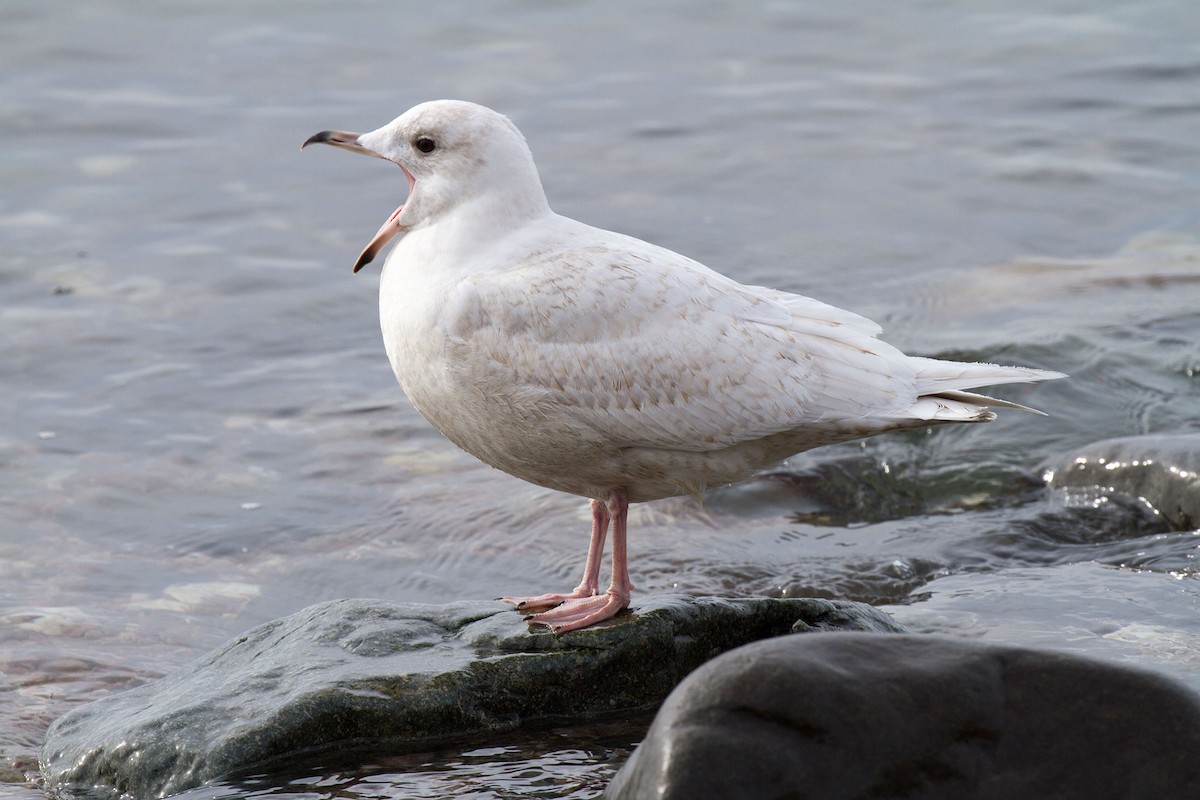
(568, 763)
(201, 432)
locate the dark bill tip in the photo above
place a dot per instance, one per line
(363, 260)
(343, 139)
(317, 138)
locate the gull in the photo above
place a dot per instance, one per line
(598, 364)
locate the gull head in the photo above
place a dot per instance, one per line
(459, 158)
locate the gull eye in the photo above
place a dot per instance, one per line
(426, 145)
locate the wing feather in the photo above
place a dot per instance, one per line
(647, 348)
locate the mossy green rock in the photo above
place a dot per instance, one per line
(402, 677)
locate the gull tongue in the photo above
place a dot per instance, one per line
(386, 233)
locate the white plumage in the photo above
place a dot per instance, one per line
(598, 364)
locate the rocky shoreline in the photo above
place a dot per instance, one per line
(404, 677)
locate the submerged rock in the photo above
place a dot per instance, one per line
(1162, 471)
(851, 715)
(404, 676)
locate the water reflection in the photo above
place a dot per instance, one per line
(566, 763)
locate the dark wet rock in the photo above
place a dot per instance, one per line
(851, 715)
(842, 490)
(405, 677)
(848, 485)
(1163, 471)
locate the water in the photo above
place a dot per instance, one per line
(201, 433)
(572, 762)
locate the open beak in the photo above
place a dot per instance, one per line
(390, 229)
(342, 139)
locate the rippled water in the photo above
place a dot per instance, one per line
(201, 431)
(571, 762)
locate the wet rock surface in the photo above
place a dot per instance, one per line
(1162, 471)
(857, 715)
(406, 677)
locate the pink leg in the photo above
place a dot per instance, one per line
(580, 612)
(591, 571)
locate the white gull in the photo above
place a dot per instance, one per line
(598, 364)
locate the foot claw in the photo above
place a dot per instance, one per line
(546, 601)
(580, 612)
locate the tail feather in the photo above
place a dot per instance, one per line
(934, 377)
(941, 385)
(983, 401)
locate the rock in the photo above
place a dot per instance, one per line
(1163, 471)
(406, 676)
(852, 715)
